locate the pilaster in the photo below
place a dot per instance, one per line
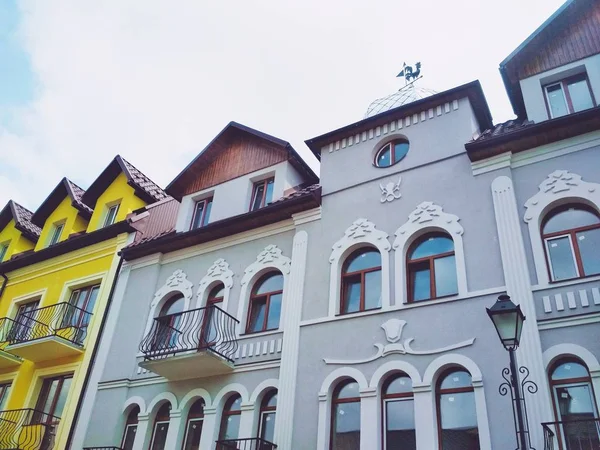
(210, 429)
(142, 435)
(247, 421)
(370, 435)
(425, 419)
(174, 434)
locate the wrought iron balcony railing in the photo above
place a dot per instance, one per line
(27, 429)
(208, 328)
(63, 319)
(245, 444)
(581, 434)
(6, 325)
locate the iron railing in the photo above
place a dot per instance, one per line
(208, 328)
(245, 444)
(581, 434)
(27, 429)
(63, 319)
(6, 325)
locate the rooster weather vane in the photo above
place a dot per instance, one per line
(409, 73)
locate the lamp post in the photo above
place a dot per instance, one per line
(508, 320)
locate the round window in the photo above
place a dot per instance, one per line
(391, 153)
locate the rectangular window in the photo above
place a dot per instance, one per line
(111, 215)
(53, 397)
(159, 436)
(4, 391)
(3, 251)
(262, 194)
(569, 96)
(24, 320)
(55, 233)
(79, 313)
(202, 210)
(129, 436)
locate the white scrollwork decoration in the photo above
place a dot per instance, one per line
(391, 191)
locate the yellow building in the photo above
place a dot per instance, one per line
(57, 270)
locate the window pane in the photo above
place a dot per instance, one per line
(458, 379)
(400, 151)
(160, 436)
(3, 250)
(274, 312)
(273, 283)
(400, 385)
(373, 289)
(49, 393)
(569, 219)
(129, 437)
(589, 248)
(173, 306)
(92, 299)
(231, 427)
(556, 101)
(217, 292)
(259, 190)
(257, 315)
(561, 258)
(445, 276)
(575, 402)
(207, 213)
(384, 157)
(346, 435)
(433, 245)
(4, 389)
(570, 370)
(421, 288)
(459, 421)
(62, 397)
(198, 215)
(267, 427)
(365, 260)
(400, 425)
(350, 390)
(351, 299)
(269, 195)
(580, 95)
(193, 434)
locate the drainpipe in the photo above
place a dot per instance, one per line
(94, 353)
(3, 283)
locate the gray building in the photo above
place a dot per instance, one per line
(259, 308)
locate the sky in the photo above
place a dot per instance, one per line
(156, 80)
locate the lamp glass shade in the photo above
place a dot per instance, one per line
(508, 320)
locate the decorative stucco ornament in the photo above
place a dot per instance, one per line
(176, 279)
(177, 282)
(393, 332)
(271, 256)
(391, 191)
(428, 214)
(361, 230)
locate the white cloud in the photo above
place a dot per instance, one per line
(156, 80)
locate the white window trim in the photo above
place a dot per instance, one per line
(4, 249)
(55, 226)
(550, 266)
(362, 233)
(562, 89)
(560, 187)
(426, 218)
(270, 259)
(219, 272)
(106, 212)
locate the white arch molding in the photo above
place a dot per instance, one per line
(176, 283)
(389, 368)
(270, 259)
(219, 272)
(362, 233)
(263, 387)
(427, 217)
(227, 391)
(191, 397)
(134, 401)
(560, 187)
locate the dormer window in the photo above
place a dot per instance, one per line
(262, 194)
(57, 230)
(111, 215)
(3, 250)
(201, 213)
(569, 96)
(391, 153)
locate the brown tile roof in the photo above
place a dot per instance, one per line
(298, 193)
(76, 193)
(22, 218)
(159, 222)
(64, 188)
(504, 128)
(143, 182)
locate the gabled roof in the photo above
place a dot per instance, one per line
(204, 157)
(63, 189)
(144, 188)
(22, 218)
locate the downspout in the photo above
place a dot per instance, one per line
(3, 283)
(94, 353)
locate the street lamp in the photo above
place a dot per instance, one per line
(508, 320)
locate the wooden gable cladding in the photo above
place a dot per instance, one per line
(229, 157)
(576, 35)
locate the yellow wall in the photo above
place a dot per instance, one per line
(17, 243)
(118, 192)
(64, 212)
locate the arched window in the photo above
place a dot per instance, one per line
(268, 408)
(391, 153)
(193, 429)
(398, 413)
(431, 268)
(457, 416)
(130, 429)
(265, 303)
(211, 316)
(161, 428)
(574, 405)
(361, 281)
(168, 321)
(230, 420)
(345, 417)
(571, 237)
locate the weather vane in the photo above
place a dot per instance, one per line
(409, 73)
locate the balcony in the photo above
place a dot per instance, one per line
(7, 360)
(572, 435)
(48, 333)
(245, 444)
(27, 429)
(192, 344)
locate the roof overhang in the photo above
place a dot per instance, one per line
(62, 190)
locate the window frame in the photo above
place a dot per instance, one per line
(205, 216)
(192, 418)
(4, 393)
(392, 145)
(45, 392)
(56, 233)
(255, 186)
(564, 85)
(4, 250)
(130, 424)
(228, 412)
(422, 261)
(572, 236)
(211, 301)
(109, 208)
(267, 296)
(358, 273)
(160, 420)
(335, 400)
(388, 398)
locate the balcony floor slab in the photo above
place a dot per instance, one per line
(189, 365)
(44, 349)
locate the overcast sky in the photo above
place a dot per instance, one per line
(154, 81)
